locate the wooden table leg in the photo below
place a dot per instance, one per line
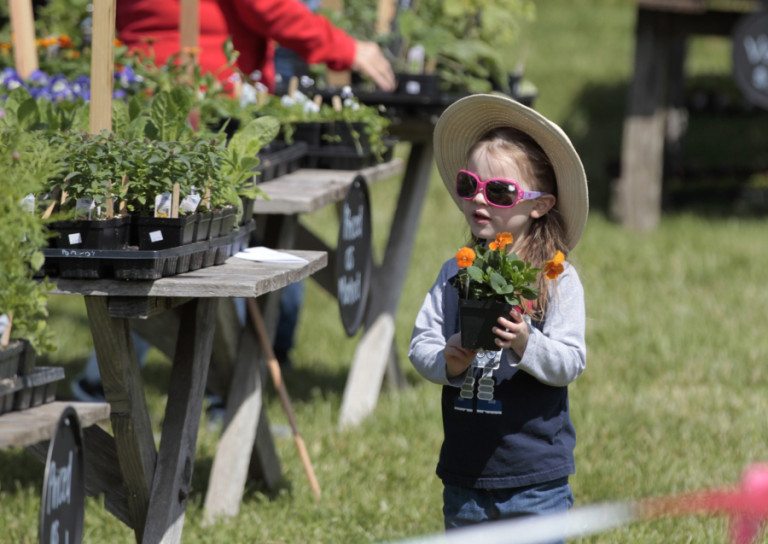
(124, 391)
(175, 460)
(246, 440)
(637, 199)
(361, 392)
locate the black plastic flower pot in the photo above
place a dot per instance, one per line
(309, 132)
(216, 216)
(348, 135)
(228, 218)
(247, 209)
(17, 358)
(418, 84)
(10, 356)
(203, 226)
(477, 319)
(92, 233)
(161, 233)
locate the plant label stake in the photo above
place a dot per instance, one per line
(102, 66)
(55, 195)
(175, 201)
(336, 102)
(23, 37)
(6, 338)
(189, 30)
(110, 203)
(293, 86)
(318, 100)
(123, 207)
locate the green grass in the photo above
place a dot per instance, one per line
(675, 393)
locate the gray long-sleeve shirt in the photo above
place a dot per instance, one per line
(504, 427)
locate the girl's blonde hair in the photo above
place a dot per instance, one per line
(546, 234)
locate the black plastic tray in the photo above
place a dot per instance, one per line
(135, 264)
(8, 389)
(37, 388)
(337, 157)
(279, 160)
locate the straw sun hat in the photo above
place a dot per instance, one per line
(465, 121)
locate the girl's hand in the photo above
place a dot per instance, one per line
(512, 333)
(457, 359)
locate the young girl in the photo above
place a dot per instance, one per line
(509, 440)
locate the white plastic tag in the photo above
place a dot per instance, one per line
(412, 87)
(75, 239)
(156, 236)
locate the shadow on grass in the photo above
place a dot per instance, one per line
(19, 469)
(722, 164)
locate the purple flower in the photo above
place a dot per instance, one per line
(38, 77)
(119, 94)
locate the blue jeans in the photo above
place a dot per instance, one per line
(465, 506)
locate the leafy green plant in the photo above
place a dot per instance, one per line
(472, 44)
(238, 159)
(490, 272)
(27, 159)
(94, 167)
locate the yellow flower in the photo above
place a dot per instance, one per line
(554, 267)
(503, 239)
(465, 257)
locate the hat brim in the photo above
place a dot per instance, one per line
(465, 121)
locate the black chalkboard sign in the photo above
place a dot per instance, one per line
(750, 57)
(63, 502)
(353, 256)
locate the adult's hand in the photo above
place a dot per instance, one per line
(370, 60)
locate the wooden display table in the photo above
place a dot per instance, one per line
(306, 191)
(29, 427)
(146, 487)
(655, 117)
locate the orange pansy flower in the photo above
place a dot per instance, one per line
(554, 267)
(503, 239)
(65, 41)
(465, 257)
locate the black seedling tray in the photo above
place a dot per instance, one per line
(337, 157)
(135, 264)
(8, 389)
(9, 359)
(37, 388)
(91, 234)
(280, 159)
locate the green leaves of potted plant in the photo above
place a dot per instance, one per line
(472, 46)
(92, 187)
(491, 281)
(27, 160)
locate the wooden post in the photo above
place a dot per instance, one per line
(337, 78)
(189, 29)
(23, 37)
(102, 65)
(384, 15)
(637, 197)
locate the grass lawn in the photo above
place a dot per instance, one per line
(675, 393)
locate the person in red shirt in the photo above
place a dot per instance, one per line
(152, 26)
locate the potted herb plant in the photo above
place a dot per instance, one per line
(490, 282)
(91, 189)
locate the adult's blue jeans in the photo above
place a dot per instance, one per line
(465, 506)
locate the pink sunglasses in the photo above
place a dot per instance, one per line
(498, 192)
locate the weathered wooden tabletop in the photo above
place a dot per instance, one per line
(235, 278)
(308, 190)
(27, 427)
